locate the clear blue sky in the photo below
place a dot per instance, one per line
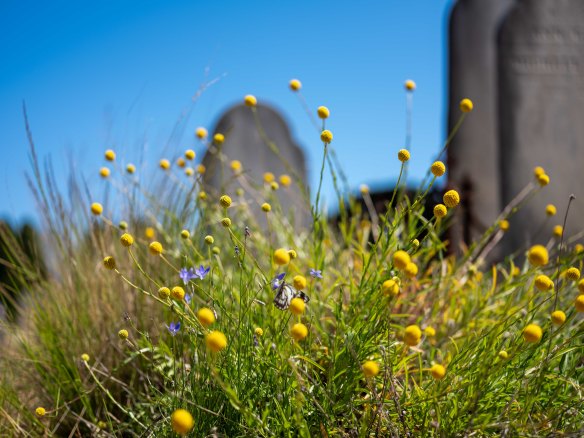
(106, 74)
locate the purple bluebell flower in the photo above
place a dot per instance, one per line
(316, 273)
(201, 272)
(173, 328)
(188, 299)
(277, 280)
(186, 275)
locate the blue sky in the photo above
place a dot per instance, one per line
(104, 74)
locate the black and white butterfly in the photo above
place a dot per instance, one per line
(285, 293)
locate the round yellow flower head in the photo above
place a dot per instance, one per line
(85, 357)
(326, 136)
(451, 198)
(123, 225)
(109, 262)
(40, 411)
(293, 254)
(543, 180)
(164, 293)
(259, 331)
(364, 189)
(209, 240)
(225, 201)
(201, 169)
(295, 85)
(411, 270)
(558, 317)
(123, 334)
(323, 112)
(581, 286)
(281, 257)
(235, 165)
(438, 371)
(178, 293)
(415, 243)
(543, 283)
(550, 210)
(206, 316)
(504, 225)
(130, 168)
(216, 250)
(438, 168)
(104, 172)
(149, 232)
(579, 303)
(155, 248)
(538, 255)
(390, 287)
(201, 133)
(466, 105)
(299, 331)
(370, 368)
(218, 139)
(185, 234)
(401, 259)
(239, 191)
(182, 421)
(274, 185)
(269, 177)
(532, 333)
(403, 155)
(299, 282)
(410, 85)
(285, 180)
(297, 306)
(503, 355)
(127, 240)
(430, 332)
(573, 274)
(440, 211)
(96, 208)
(250, 100)
(538, 170)
(578, 248)
(412, 335)
(180, 162)
(110, 155)
(558, 231)
(189, 171)
(202, 196)
(190, 154)
(266, 207)
(226, 222)
(164, 164)
(216, 341)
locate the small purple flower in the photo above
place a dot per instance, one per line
(315, 273)
(188, 299)
(277, 280)
(186, 275)
(173, 328)
(201, 272)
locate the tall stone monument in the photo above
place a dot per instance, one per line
(473, 155)
(541, 112)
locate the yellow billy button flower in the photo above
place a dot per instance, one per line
(110, 155)
(164, 293)
(578, 248)
(543, 283)
(285, 180)
(189, 171)
(550, 210)
(164, 164)
(323, 112)
(190, 154)
(364, 189)
(185, 234)
(326, 136)
(543, 179)
(201, 169)
(202, 196)
(201, 133)
(266, 207)
(206, 316)
(292, 254)
(218, 139)
(451, 198)
(573, 274)
(430, 332)
(557, 231)
(415, 243)
(126, 240)
(209, 240)
(225, 201)
(558, 317)
(370, 368)
(438, 371)
(96, 208)
(440, 211)
(130, 168)
(178, 293)
(149, 232)
(579, 303)
(299, 331)
(297, 306)
(235, 165)
(299, 282)
(410, 85)
(182, 421)
(155, 248)
(123, 334)
(104, 172)
(412, 335)
(239, 191)
(109, 262)
(226, 222)
(532, 333)
(581, 286)
(411, 270)
(466, 105)
(85, 357)
(281, 257)
(538, 170)
(390, 287)
(403, 155)
(259, 331)
(269, 177)
(538, 255)
(295, 85)
(503, 355)
(180, 162)
(40, 411)
(216, 341)
(216, 250)
(438, 168)
(250, 100)
(504, 225)
(274, 185)
(401, 259)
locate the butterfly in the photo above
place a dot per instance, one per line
(285, 293)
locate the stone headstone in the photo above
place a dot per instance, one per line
(541, 109)
(245, 142)
(473, 155)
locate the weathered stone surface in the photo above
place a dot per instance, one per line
(541, 104)
(473, 157)
(244, 142)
